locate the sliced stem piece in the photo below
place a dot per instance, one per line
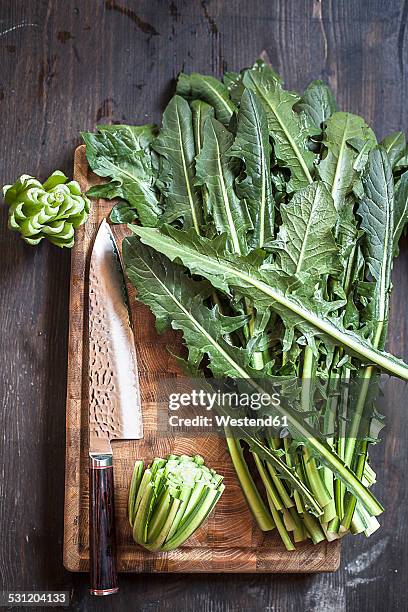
(251, 493)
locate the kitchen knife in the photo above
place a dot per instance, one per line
(114, 400)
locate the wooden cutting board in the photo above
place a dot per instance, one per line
(229, 541)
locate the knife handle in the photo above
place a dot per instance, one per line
(102, 537)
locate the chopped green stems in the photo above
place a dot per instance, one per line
(142, 515)
(194, 497)
(370, 476)
(156, 541)
(362, 521)
(194, 520)
(351, 501)
(331, 536)
(184, 498)
(254, 500)
(328, 458)
(299, 531)
(313, 528)
(339, 488)
(313, 477)
(358, 525)
(134, 486)
(307, 374)
(280, 487)
(339, 492)
(147, 476)
(280, 526)
(171, 500)
(284, 470)
(288, 458)
(288, 520)
(158, 518)
(329, 511)
(358, 413)
(268, 484)
(312, 474)
(334, 525)
(354, 432)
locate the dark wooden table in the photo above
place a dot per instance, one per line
(68, 64)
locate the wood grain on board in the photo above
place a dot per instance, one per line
(229, 541)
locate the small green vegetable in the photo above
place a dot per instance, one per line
(170, 499)
(52, 210)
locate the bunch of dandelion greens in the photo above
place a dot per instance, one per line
(264, 227)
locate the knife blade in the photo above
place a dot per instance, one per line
(114, 399)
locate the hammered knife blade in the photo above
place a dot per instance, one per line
(114, 400)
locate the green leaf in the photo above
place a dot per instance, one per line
(400, 210)
(217, 171)
(401, 164)
(265, 288)
(176, 143)
(177, 301)
(377, 220)
(252, 145)
(197, 86)
(336, 169)
(394, 145)
(348, 237)
(122, 153)
(318, 103)
(289, 130)
(376, 210)
(235, 86)
(201, 111)
(305, 242)
(265, 69)
(107, 191)
(122, 212)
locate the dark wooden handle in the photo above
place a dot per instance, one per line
(102, 538)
